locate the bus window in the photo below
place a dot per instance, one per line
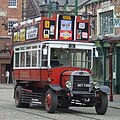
(44, 58)
(28, 58)
(16, 59)
(34, 58)
(22, 62)
(38, 58)
(54, 62)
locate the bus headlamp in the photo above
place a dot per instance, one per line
(68, 84)
(96, 85)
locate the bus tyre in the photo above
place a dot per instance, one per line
(18, 98)
(102, 104)
(50, 101)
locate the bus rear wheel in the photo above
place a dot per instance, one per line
(18, 98)
(50, 101)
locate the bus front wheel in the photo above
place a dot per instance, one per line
(50, 101)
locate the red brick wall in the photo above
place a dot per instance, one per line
(93, 7)
(12, 13)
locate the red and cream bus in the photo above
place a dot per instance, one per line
(52, 62)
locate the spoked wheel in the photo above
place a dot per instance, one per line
(18, 98)
(102, 104)
(51, 101)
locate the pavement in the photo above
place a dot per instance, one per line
(116, 101)
(113, 104)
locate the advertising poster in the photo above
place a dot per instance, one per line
(52, 30)
(65, 35)
(78, 34)
(16, 36)
(46, 33)
(82, 31)
(49, 29)
(32, 32)
(22, 34)
(66, 27)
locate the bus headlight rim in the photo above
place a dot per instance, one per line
(68, 85)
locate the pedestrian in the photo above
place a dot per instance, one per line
(7, 76)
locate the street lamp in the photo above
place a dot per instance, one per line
(76, 7)
(52, 6)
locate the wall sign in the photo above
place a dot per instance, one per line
(116, 22)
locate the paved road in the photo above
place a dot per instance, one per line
(8, 111)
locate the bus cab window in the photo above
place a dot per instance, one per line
(54, 59)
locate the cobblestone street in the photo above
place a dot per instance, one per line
(36, 112)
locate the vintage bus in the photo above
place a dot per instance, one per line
(55, 71)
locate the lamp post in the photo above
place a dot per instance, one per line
(76, 7)
(49, 9)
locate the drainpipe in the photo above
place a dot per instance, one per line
(111, 72)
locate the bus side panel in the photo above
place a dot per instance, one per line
(44, 75)
(24, 74)
(16, 74)
(35, 74)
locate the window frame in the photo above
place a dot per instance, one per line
(10, 2)
(10, 26)
(19, 50)
(106, 22)
(98, 18)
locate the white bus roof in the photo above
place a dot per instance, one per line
(60, 44)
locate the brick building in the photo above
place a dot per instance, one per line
(10, 13)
